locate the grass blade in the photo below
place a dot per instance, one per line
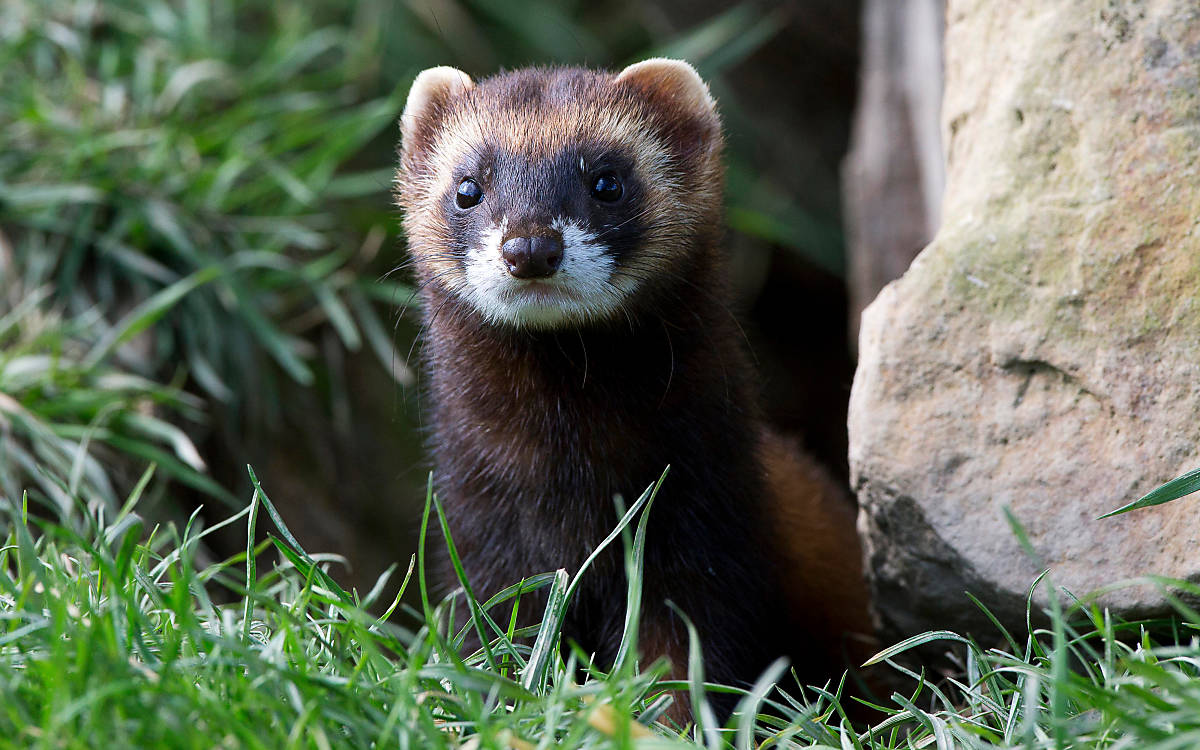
(1173, 490)
(913, 642)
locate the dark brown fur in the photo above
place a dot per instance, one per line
(534, 431)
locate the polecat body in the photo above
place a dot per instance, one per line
(565, 231)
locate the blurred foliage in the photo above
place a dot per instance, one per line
(166, 187)
(194, 200)
(55, 406)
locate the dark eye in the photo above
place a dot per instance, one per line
(469, 193)
(607, 188)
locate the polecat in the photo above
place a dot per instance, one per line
(565, 229)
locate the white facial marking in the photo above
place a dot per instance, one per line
(580, 291)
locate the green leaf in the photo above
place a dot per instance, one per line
(546, 646)
(634, 568)
(187, 77)
(477, 618)
(913, 642)
(147, 314)
(337, 315)
(1172, 490)
(309, 569)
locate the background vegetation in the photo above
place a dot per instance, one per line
(195, 246)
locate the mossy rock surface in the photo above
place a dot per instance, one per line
(1043, 353)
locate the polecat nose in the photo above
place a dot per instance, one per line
(533, 257)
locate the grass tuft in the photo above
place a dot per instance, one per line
(114, 633)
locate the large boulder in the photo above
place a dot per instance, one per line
(1043, 353)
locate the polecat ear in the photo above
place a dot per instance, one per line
(685, 110)
(428, 99)
(674, 83)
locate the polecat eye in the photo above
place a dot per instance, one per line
(469, 193)
(607, 188)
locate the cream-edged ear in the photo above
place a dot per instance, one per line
(672, 82)
(433, 87)
(431, 91)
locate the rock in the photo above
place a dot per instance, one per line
(1043, 353)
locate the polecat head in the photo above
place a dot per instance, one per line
(549, 198)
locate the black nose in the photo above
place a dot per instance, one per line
(533, 257)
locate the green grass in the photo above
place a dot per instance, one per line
(172, 236)
(112, 633)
